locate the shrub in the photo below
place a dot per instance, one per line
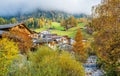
(8, 52)
(46, 62)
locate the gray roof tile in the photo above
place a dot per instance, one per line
(8, 26)
(1, 32)
(44, 40)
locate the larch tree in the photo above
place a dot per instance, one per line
(73, 21)
(106, 24)
(78, 46)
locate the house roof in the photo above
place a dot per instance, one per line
(50, 35)
(45, 32)
(66, 47)
(2, 27)
(1, 32)
(44, 40)
(8, 26)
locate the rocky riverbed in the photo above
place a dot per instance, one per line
(91, 68)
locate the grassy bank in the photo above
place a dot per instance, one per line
(70, 32)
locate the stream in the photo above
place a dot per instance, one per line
(91, 68)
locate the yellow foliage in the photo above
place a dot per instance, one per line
(78, 47)
(13, 20)
(8, 52)
(106, 22)
(67, 62)
(31, 20)
(53, 63)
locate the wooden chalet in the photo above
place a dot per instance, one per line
(21, 27)
(1, 32)
(65, 40)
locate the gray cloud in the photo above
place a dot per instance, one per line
(11, 7)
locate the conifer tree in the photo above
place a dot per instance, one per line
(78, 46)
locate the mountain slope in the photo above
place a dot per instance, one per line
(57, 15)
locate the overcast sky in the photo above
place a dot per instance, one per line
(11, 7)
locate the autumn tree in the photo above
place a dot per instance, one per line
(46, 62)
(30, 22)
(8, 52)
(73, 21)
(78, 46)
(49, 23)
(106, 24)
(41, 22)
(82, 20)
(68, 23)
(20, 37)
(64, 24)
(13, 20)
(3, 21)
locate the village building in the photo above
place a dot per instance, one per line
(34, 35)
(66, 47)
(72, 41)
(21, 27)
(1, 32)
(53, 40)
(43, 38)
(52, 43)
(45, 32)
(65, 40)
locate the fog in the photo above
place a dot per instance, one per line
(12, 7)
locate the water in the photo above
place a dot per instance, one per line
(91, 68)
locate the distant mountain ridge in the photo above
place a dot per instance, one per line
(42, 13)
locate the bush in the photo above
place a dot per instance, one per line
(70, 67)
(8, 52)
(46, 62)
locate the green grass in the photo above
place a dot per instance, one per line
(70, 32)
(54, 25)
(57, 26)
(41, 29)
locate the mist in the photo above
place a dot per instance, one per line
(12, 7)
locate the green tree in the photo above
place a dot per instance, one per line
(35, 23)
(3, 21)
(13, 20)
(31, 22)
